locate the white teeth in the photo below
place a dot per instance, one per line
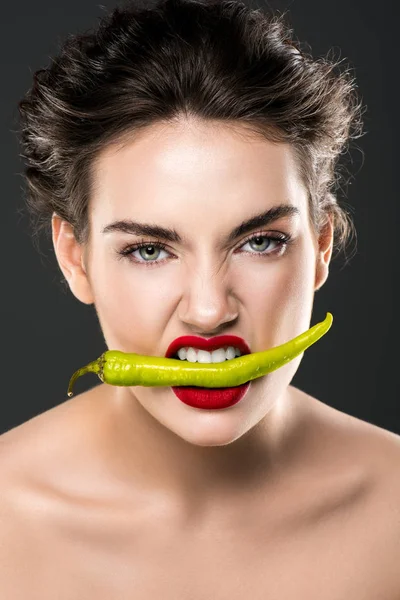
(202, 356)
(182, 353)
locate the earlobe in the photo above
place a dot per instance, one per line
(69, 256)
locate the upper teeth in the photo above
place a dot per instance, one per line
(202, 356)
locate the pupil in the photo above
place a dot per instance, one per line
(259, 240)
(146, 249)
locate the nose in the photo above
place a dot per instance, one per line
(208, 306)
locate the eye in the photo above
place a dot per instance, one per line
(150, 248)
(281, 241)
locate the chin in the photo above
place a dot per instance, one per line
(210, 432)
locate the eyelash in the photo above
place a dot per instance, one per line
(284, 241)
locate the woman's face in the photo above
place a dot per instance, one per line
(202, 181)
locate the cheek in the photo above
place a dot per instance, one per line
(132, 324)
(279, 279)
(132, 305)
(279, 296)
(268, 291)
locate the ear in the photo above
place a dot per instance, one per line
(70, 259)
(324, 253)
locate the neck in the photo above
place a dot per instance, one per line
(157, 462)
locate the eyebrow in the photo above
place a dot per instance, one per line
(171, 235)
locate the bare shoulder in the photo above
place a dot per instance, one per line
(353, 445)
(32, 437)
(381, 450)
(40, 464)
(35, 452)
(379, 446)
(373, 447)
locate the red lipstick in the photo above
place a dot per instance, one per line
(209, 344)
(209, 398)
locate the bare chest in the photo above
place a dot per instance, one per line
(338, 555)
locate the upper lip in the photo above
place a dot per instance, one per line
(207, 344)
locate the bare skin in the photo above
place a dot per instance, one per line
(126, 492)
(323, 521)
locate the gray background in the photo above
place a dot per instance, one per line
(47, 334)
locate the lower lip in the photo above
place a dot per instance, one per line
(210, 398)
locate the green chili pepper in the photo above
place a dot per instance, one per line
(129, 369)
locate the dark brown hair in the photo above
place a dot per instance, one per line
(211, 60)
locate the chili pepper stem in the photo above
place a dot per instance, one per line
(95, 366)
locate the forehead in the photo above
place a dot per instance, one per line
(181, 165)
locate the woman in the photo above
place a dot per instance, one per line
(152, 144)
